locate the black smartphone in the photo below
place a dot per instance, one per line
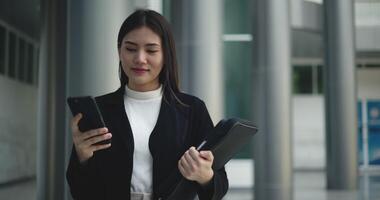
(91, 116)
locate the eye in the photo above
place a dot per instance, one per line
(151, 51)
(130, 49)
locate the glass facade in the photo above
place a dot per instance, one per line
(237, 60)
(237, 23)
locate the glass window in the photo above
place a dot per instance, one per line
(2, 50)
(302, 80)
(320, 79)
(237, 17)
(238, 70)
(238, 88)
(21, 27)
(21, 60)
(35, 67)
(166, 6)
(372, 65)
(30, 65)
(12, 55)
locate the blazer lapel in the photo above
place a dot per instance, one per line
(118, 118)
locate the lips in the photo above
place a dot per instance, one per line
(139, 71)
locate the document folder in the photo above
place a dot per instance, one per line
(227, 138)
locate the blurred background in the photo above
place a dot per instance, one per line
(307, 72)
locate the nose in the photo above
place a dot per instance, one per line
(140, 57)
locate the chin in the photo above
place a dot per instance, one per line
(139, 82)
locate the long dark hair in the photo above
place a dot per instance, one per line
(168, 76)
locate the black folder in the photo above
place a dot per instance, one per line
(227, 138)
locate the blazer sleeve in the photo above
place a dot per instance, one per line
(83, 183)
(218, 186)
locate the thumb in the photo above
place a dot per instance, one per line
(207, 155)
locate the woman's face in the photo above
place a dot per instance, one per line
(141, 57)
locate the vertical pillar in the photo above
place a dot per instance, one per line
(51, 101)
(271, 100)
(93, 60)
(78, 57)
(340, 95)
(197, 26)
(93, 56)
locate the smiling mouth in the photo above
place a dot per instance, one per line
(139, 70)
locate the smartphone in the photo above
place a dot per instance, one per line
(91, 116)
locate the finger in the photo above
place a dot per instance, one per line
(182, 170)
(185, 164)
(194, 155)
(97, 139)
(74, 122)
(100, 147)
(95, 132)
(77, 117)
(191, 164)
(207, 155)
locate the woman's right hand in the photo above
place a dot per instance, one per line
(84, 142)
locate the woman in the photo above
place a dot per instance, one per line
(154, 127)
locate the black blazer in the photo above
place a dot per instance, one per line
(107, 175)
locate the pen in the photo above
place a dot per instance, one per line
(201, 145)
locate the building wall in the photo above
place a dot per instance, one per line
(308, 132)
(18, 119)
(308, 120)
(18, 104)
(369, 83)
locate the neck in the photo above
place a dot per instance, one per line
(138, 95)
(143, 88)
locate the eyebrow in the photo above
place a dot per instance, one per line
(135, 44)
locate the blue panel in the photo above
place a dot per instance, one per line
(360, 113)
(373, 114)
(360, 147)
(360, 134)
(373, 108)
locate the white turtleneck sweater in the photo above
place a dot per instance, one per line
(142, 109)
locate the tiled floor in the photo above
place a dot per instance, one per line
(19, 191)
(304, 189)
(310, 185)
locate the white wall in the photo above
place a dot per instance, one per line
(18, 103)
(368, 83)
(308, 132)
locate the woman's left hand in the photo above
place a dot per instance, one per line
(196, 166)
